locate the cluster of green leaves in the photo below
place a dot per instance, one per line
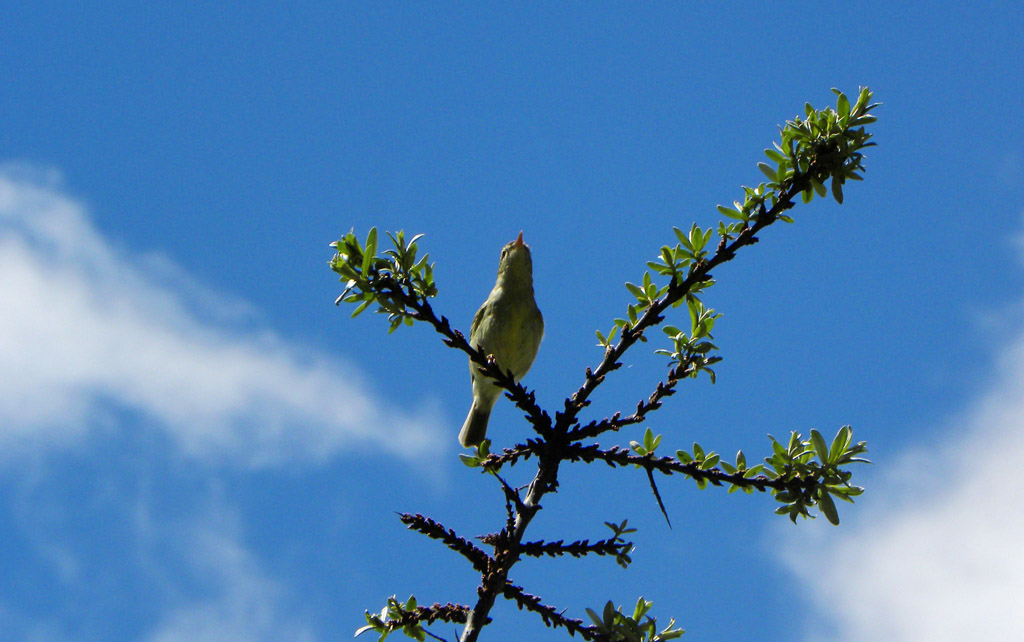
(710, 460)
(389, 280)
(649, 444)
(616, 626)
(814, 459)
(810, 470)
(834, 137)
(673, 262)
(824, 144)
(693, 349)
(676, 262)
(387, 620)
(479, 455)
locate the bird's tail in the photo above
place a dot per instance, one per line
(475, 428)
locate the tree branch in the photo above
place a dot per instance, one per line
(579, 548)
(549, 614)
(480, 560)
(643, 408)
(618, 457)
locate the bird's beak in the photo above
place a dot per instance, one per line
(519, 240)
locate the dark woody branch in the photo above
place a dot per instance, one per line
(511, 456)
(643, 408)
(551, 616)
(579, 548)
(616, 456)
(421, 524)
(455, 613)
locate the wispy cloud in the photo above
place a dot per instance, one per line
(936, 553)
(235, 599)
(89, 329)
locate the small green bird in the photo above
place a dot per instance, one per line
(508, 326)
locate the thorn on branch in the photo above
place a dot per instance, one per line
(657, 496)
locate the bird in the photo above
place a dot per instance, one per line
(509, 327)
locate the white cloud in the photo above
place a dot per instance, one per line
(936, 553)
(88, 327)
(237, 600)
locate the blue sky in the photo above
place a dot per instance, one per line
(195, 444)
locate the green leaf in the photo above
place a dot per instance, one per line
(731, 213)
(696, 238)
(666, 255)
(362, 306)
(863, 120)
(862, 100)
(660, 268)
(839, 444)
(768, 170)
(843, 106)
(364, 629)
(698, 452)
(651, 441)
(371, 249)
(820, 448)
(837, 190)
(794, 441)
(609, 612)
(641, 609)
(828, 507)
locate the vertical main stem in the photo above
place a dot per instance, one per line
(506, 556)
